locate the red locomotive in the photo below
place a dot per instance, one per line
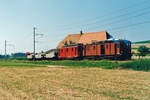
(109, 49)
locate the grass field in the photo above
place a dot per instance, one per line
(20, 81)
(142, 64)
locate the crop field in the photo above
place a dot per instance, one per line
(26, 81)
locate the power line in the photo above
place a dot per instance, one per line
(130, 25)
(126, 8)
(122, 15)
(124, 19)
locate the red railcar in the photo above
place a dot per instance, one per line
(70, 52)
(110, 49)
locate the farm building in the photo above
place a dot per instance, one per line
(84, 38)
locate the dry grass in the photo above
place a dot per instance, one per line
(73, 84)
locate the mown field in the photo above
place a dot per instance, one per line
(36, 81)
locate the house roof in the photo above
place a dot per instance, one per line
(85, 38)
(74, 38)
(90, 37)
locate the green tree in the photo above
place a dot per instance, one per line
(143, 51)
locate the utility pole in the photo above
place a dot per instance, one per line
(5, 48)
(34, 41)
(34, 28)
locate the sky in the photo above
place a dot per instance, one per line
(55, 19)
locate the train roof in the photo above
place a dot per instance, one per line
(110, 41)
(115, 40)
(106, 41)
(51, 50)
(71, 45)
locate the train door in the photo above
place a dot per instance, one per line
(94, 50)
(102, 49)
(117, 48)
(84, 50)
(80, 51)
(98, 50)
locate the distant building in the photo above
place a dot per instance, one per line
(84, 38)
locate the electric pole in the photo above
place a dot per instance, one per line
(34, 28)
(34, 41)
(5, 48)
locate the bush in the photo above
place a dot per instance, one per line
(137, 65)
(143, 51)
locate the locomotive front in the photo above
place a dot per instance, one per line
(125, 49)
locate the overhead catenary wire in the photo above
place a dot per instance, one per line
(130, 25)
(120, 16)
(124, 28)
(106, 19)
(121, 20)
(128, 15)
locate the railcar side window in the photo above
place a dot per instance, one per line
(72, 49)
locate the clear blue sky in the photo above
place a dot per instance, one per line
(58, 18)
